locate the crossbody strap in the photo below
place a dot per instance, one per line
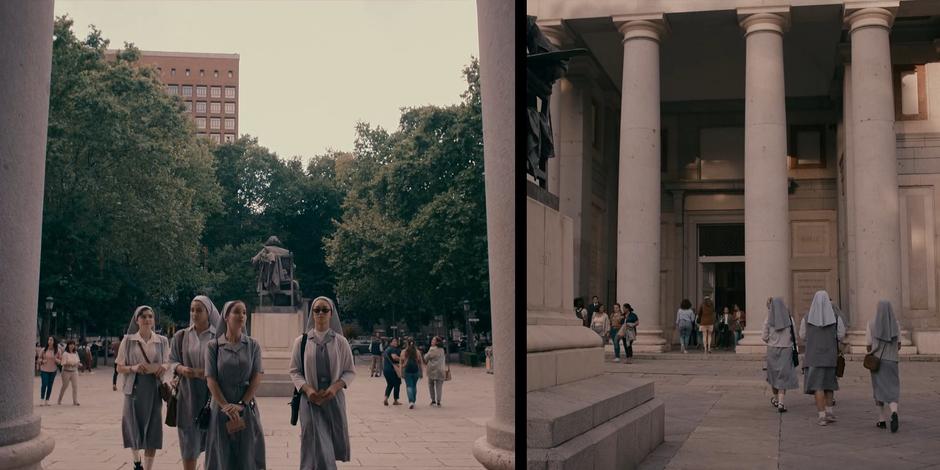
(141, 346)
(303, 349)
(793, 335)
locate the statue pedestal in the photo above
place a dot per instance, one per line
(275, 328)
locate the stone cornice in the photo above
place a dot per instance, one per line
(648, 26)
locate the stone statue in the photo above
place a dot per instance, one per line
(275, 266)
(545, 64)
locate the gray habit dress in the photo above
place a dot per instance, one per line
(883, 336)
(822, 350)
(324, 429)
(189, 349)
(142, 416)
(233, 365)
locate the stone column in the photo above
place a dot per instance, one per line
(766, 213)
(638, 203)
(497, 33)
(877, 220)
(25, 71)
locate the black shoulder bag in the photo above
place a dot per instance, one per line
(840, 359)
(295, 400)
(172, 404)
(794, 352)
(205, 414)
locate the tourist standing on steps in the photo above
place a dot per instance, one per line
(628, 331)
(600, 323)
(437, 366)
(142, 359)
(328, 369)
(616, 321)
(823, 332)
(883, 339)
(706, 322)
(235, 438)
(392, 380)
(780, 338)
(70, 361)
(412, 367)
(685, 318)
(48, 366)
(188, 361)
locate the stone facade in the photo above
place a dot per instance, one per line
(791, 121)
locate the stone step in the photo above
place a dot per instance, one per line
(556, 414)
(698, 355)
(275, 385)
(620, 443)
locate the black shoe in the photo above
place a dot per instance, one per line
(138, 466)
(894, 422)
(881, 424)
(781, 408)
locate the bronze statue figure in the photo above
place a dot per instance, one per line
(275, 266)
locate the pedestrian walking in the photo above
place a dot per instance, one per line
(412, 367)
(375, 349)
(115, 345)
(883, 342)
(48, 367)
(823, 332)
(616, 321)
(628, 331)
(235, 439)
(600, 322)
(69, 362)
(142, 360)
(780, 338)
(706, 322)
(685, 318)
(84, 356)
(391, 371)
(437, 370)
(188, 361)
(740, 322)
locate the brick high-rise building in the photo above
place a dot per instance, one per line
(208, 85)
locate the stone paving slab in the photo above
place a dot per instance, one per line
(718, 416)
(88, 437)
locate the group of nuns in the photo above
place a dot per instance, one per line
(823, 330)
(219, 368)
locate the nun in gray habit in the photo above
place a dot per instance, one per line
(883, 339)
(823, 333)
(188, 361)
(779, 336)
(327, 370)
(235, 366)
(142, 359)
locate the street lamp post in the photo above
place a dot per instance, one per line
(466, 312)
(45, 324)
(54, 326)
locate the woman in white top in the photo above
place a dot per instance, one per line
(600, 323)
(780, 338)
(69, 362)
(883, 339)
(685, 318)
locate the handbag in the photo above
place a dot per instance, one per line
(794, 352)
(295, 399)
(873, 363)
(172, 404)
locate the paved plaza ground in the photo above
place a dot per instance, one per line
(718, 416)
(88, 437)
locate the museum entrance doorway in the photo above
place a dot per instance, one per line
(721, 263)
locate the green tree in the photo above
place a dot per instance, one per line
(128, 184)
(412, 238)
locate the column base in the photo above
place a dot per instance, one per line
(26, 455)
(751, 343)
(928, 342)
(650, 341)
(857, 344)
(492, 457)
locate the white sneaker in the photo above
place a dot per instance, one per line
(616, 359)
(685, 351)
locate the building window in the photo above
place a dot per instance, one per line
(187, 72)
(229, 92)
(187, 90)
(172, 72)
(202, 73)
(230, 123)
(215, 107)
(216, 92)
(202, 134)
(200, 123)
(201, 107)
(230, 74)
(188, 105)
(229, 138)
(910, 92)
(215, 74)
(215, 138)
(807, 146)
(201, 91)
(229, 108)
(215, 123)
(173, 89)
(159, 70)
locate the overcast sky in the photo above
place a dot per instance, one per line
(309, 69)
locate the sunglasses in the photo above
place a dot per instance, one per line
(321, 310)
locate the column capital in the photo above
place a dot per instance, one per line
(868, 13)
(773, 19)
(650, 26)
(557, 32)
